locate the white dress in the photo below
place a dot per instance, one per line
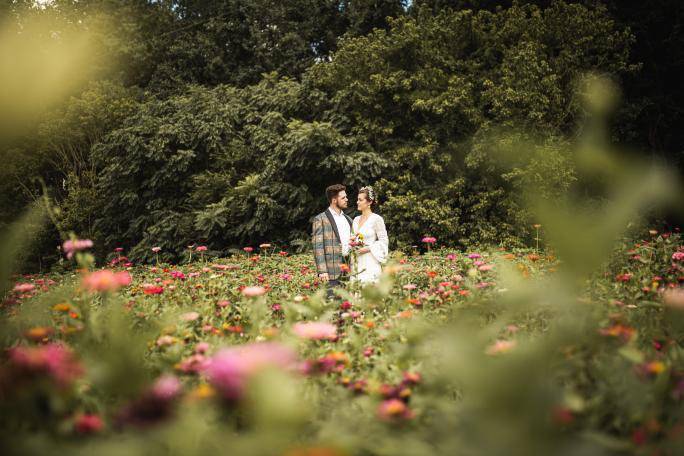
(369, 265)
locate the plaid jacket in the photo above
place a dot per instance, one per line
(327, 245)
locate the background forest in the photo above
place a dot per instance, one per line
(221, 122)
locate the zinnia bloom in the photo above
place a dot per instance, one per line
(230, 369)
(678, 256)
(151, 289)
(156, 249)
(393, 409)
(501, 346)
(106, 280)
(253, 292)
(88, 424)
(54, 360)
(315, 330)
(429, 240)
(71, 247)
(24, 287)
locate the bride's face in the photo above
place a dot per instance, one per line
(361, 202)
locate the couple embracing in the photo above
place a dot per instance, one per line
(335, 235)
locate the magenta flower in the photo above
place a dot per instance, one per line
(177, 275)
(429, 240)
(71, 247)
(315, 330)
(201, 248)
(231, 368)
(474, 256)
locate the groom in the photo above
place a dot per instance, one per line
(331, 232)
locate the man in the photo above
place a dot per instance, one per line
(331, 232)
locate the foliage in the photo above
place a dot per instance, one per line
(433, 92)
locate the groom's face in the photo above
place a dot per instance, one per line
(341, 199)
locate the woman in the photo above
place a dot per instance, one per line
(373, 253)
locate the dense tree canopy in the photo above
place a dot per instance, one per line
(223, 121)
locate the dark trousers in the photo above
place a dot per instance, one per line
(332, 284)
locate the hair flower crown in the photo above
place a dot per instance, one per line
(370, 192)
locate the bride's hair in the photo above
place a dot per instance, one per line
(370, 195)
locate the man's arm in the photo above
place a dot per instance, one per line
(319, 248)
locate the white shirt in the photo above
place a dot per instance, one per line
(343, 228)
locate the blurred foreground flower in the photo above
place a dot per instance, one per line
(154, 405)
(72, 246)
(253, 292)
(55, 361)
(231, 368)
(88, 424)
(393, 410)
(315, 330)
(106, 280)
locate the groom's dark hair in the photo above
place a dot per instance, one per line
(332, 191)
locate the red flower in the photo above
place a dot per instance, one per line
(88, 424)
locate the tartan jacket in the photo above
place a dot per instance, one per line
(327, 245)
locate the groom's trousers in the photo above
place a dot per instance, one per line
(332, 284)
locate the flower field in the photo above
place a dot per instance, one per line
(487, 351)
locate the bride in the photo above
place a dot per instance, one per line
(375, 247)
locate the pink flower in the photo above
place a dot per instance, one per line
(54, 360)
(623, 277)
(88, 424)
(118, 249)
(315, 330)
(253, 292)
(202, 347)
(501, 346)
(194, 364)
(201, 248)
(486, 267)
(287, 277)
(410, 286)
(230, 369)
(451, 257)
(165, 340)
(156, 249)
(166, 388)
(71, 247)
(177, 275)
(190, 316)
(429, 240)
(394, 409)
(678, 256)
(474, 256)
(106, 280)
(24, 287)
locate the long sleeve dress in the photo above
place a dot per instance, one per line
(369, 265)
